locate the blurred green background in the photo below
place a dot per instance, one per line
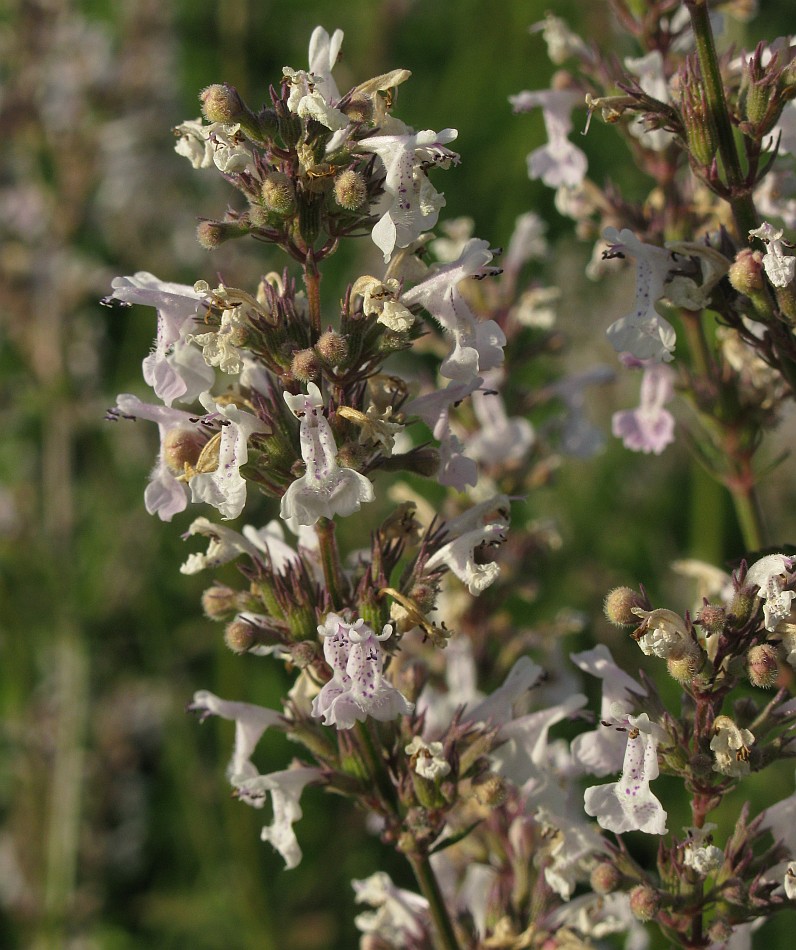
(116, 825)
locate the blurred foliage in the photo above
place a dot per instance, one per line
(116, 828)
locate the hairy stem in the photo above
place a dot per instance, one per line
(740, 199)
(330, 559)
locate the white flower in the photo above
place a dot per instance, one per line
(399, 913)
(326, 489)
(427, 759)
(769, 575)
(731, 744)
(779, 268)
(665, 632)
(285, 788)
(174, 369)
(410, 204)
(193, 142)
(561, 42)
(217, 344)
(559, 162)
(477, 344)
(643, 333)
(380, 298)
(699, 852)
(226, 544)
(458, 554)
(225, 488)
(629, 805)
(357, 688)
(790, 881)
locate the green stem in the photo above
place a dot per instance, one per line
(444, 935)
(330, 559)
(740, 199)
(749, 514)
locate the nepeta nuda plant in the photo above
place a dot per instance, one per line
(516, 839)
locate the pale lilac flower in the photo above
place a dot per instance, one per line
(730, 744)
(652, 80)
(456, 469)
(601, 751)
(225, 488)
(326, 489)
(500, 438)
(174, 369)
(571, 846)
(559, 162)
(769, 575)
(250, 723)
(357, 688)
(527, 242)
(477, 344)
(579, 437)
(410, 204)
(561, 42)
(165, 495)
(643, 333)
(399, 914)
(779, 267)
(285, 788)
(650, 427)
(427, 759)
(629, 805)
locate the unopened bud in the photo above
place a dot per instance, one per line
(762, 665)
(240, 636)
(211, 234)
(278, 193)
(359, 109)
(490, 789)
(303, 653)
(618, 606)
(350, 190)
(744, 605)
(221, 103)
(182, 445)
(713, 618)
(605, 878)
(746, 272)
(425, 596)
(332, 348)
(701, 765)
(351, 454)
(644, 902)
(683, 666)
(304, 365)
(219, 602)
